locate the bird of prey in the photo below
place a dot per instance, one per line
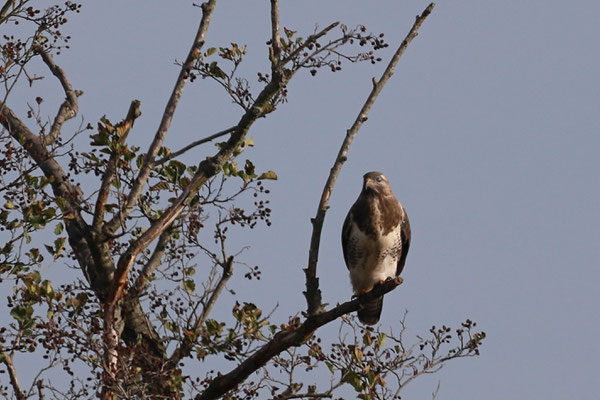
(375, 240)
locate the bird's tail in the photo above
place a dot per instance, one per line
(370, 311)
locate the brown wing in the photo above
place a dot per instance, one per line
(346, 233)
(405, 237)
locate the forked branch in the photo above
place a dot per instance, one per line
(69, 108)
(313, 293)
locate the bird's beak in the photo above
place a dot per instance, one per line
(369, 184)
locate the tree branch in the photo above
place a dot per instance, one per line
(275, 35)
(310, 40)
(194, 144)
(153, 263)
(186, 346)
(286, 339)
(92, 255)
(4, 10)
(165, 123)
(206, 170)
(111, 167)
(7, 360)
(227, 272)
(69, 108)
(313, 293)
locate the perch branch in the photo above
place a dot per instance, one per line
(286, 339)
(313, 293)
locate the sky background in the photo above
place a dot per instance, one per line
(488, 133)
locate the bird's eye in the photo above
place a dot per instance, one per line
(379, 179)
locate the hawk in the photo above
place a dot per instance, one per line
(375, 240)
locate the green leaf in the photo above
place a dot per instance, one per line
(161, 186)
(381, 338)
(189, 285)
(210, 51)
(353, 379)
(47, 289)
(21, 313)
(139, 161)
(214, 69)
(249, 169)
(330, 366)
(249, 141)
(268, 175)
(59, 245)
(10, 205)
(59, 228)
(50, 249)
(358, 354)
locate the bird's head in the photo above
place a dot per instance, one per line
(376, 182)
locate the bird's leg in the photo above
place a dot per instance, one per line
(359, 295)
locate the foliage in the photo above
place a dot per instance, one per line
(131, 227)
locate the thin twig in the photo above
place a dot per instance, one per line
(310, 40)
(227, 272)
(194, 144)
(313, 293)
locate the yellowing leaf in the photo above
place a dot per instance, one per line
(268, 175)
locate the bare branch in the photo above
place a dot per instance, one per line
(194, 144)
(111, 167)
(186, 346)
(227, 272)
(284, 396)
(7, 360)
(4, 10)
(286, 339)
(165, 123)
(312, 293)
(275, 35)
(69, 108)
(153, 263)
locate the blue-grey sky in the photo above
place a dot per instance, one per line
(488, 133)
